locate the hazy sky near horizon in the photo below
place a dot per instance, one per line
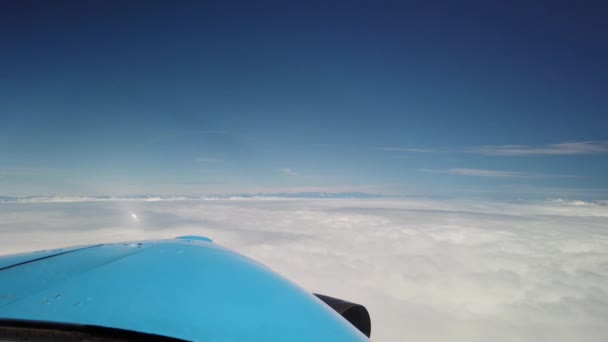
(498, 99)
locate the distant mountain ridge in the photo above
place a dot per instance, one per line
(151, 198)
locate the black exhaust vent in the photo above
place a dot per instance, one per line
(356, 314)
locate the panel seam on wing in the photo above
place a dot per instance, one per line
(47, 257)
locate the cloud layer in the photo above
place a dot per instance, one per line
(427, 270)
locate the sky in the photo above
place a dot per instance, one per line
(482, 124)
(500, 100)
(426, 269)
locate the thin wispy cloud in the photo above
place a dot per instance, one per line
(567, 148)
(403, 149)
(479, 173)
(288, 171)
(491, 173)
(564, 148)
(209, 160)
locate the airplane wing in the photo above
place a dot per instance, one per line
(187, 288)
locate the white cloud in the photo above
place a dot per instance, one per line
(288, 171)
(401, 149)
(428, 270)
(567, 148)
(480, 173)
(577, 202)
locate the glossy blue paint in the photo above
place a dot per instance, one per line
(194, 237)
(15, 259)
(185, 288)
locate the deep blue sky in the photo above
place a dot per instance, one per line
(418, 98)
